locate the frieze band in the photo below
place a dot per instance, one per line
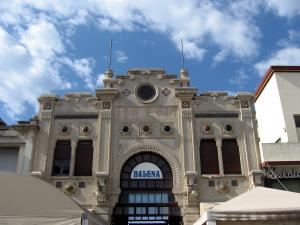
(216, 115)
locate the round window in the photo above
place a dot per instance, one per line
(146, 92)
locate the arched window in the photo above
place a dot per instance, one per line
(146, 184)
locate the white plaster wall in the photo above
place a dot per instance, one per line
(24, 142)
(280, 151)
(289, 91)
(25, 153)
(269, 114)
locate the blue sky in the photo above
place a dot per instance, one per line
(62, 46)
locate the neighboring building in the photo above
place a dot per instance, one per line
(16, 144)
(278, 117)
(147, 148)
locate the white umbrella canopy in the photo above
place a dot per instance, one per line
(29, 200)
(261, 199)
(259, 205)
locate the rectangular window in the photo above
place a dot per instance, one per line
(297, 123)
(84, 158)
(231, 157)
(144, 198)
(9, 159)
(209, 157)
(62, 157)
(297, 120)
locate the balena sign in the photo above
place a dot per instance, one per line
(146, 170)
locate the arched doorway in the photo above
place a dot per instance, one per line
(146, 192)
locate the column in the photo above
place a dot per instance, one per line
(73, 156)
(220, 156)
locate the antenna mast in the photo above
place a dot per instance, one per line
(109, 72)
(182, 54)
(110, 47)
(183, 72)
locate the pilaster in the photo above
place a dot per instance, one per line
(41, 147)
(249, 129)
(185, 96)
(106, 97)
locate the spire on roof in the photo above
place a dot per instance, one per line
(184, 74)
(109, 72)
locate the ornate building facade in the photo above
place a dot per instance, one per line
(146, 147)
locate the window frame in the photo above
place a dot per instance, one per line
(53, 159)
(217, 154)
(239, 156)
(20, 154)
(219, 142)
(92, 157)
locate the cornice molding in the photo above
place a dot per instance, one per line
(107, 93)
(185, 92)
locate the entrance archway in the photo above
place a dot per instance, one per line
(146, 197)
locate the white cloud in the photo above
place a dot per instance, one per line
(99, 81)
(83, 68)
(120, 56)
(229, 26)
(286, 56)
(34, 34)
(27, 68)
(241, 78)
(107, 24)
(220, 57)
(284, 8)
(42, 40)
(293, 37)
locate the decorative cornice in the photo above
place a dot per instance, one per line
(47, 97)
(216, 115)
(247, 114)
(78, 95)
(185, 92)
(107, 93)
(46, 115)
(146, 71)
(187, 113)
(106, 114)
(244, 95)
(76, 116)
(25, 127)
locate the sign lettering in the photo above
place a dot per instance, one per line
(282, 173)
(146, 170)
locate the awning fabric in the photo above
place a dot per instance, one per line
(257, 204)
(29, 200)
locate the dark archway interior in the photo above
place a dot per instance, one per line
(149, 200)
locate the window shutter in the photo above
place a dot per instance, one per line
(209, 157)
(231, 157)
(62, 156)
(84, 158)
